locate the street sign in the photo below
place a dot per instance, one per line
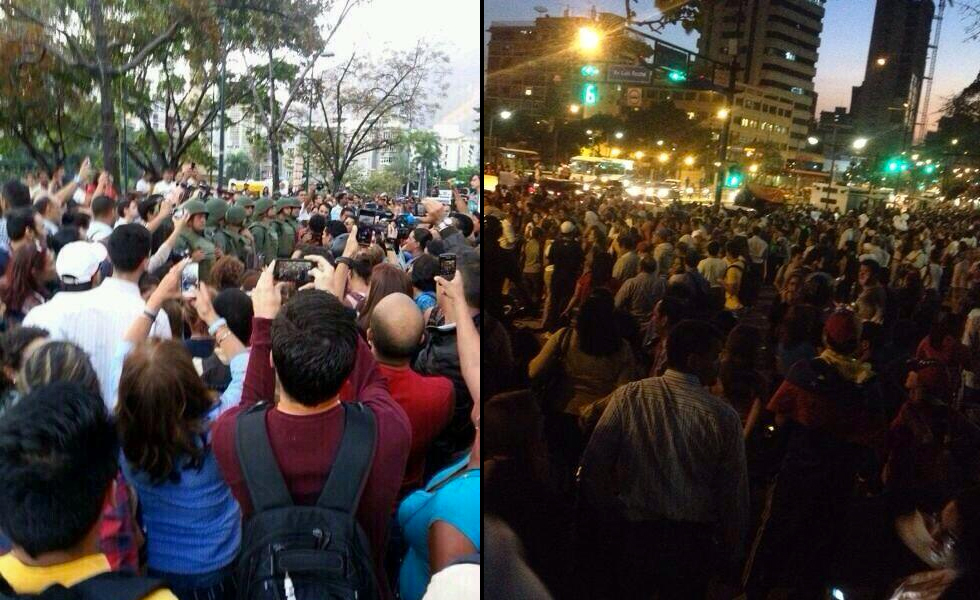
(627, 74)
(634, 96)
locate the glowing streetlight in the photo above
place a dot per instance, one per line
(882, 61)
(955, 141)
(639, 154)
(528, 91)
(915, 157)
(663, 157)
(588, 39)
(860, 143)
(753, 168)
(588, 132)
(615, 152)
(660, 142)
(573, 109)
(723, 113)
(812, 141)
(619, 135)
(689, 161)
(505, 114)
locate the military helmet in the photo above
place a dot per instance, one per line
(262, 205)
(194, 207)
(235, 215)
(282, 203)
(294, 202)
(245, 201)
(216, 208)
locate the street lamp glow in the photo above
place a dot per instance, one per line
(689, 161)
(955, 141)
(860, 143)
(573, 109)
(639, 154)
(588, 39)
(915, 157)
(619, 135)
(812, 141)
(660, 142)
(505, 114)
(882, 61)
(528, 91)
(723, 113)
(588, 132)
(615, 152)
(663, 157)
(753, 168)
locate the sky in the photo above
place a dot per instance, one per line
(843, 46)
(399, 24)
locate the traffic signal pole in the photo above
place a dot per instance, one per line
(730, 102)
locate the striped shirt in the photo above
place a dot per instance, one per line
(665, 448)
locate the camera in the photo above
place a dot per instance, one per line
(180, 213)
(189, 279)
(365, 235)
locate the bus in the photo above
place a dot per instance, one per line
(591, 168)
(508, 166)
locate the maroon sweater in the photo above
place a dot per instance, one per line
(305, 446)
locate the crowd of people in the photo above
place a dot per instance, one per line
(721, 403)
(178, 419)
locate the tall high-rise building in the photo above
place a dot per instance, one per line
(776, 44)
(885, 106)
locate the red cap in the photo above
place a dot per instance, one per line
(842, 328)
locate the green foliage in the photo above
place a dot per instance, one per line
(238, 165)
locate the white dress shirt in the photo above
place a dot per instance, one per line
(98, 231)
(665, 448)
(96, 320)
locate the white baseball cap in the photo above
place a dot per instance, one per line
(78, 261)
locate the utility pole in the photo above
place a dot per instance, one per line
(833, 162)
(309, 132)
(730, 105)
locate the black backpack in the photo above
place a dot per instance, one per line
(291, 552)
(105, 586)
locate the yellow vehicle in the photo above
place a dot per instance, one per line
(255, 186)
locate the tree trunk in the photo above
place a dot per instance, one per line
(107, 113)
(273, 130)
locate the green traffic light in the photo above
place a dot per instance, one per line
(590, 94)
(930, 169)
(590, 70)
(892, 166)
(677, 76)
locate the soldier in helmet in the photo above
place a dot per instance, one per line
(263, 231)
(248, 203)
(286, 225)
(192, 238)
(239, 245)
(215, 230)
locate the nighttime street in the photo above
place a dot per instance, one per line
(732, 299)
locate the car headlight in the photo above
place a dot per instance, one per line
(586, 186)
(634, 190)
(663, 193)
(650, 191)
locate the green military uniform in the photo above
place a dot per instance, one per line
(215, 230)
(189, 241)
(286, 227)
(242, 246)
(264, 234)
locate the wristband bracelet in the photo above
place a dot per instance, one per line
(214, 327)
(152, 316)
(224, 336)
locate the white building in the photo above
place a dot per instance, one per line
(459, 149)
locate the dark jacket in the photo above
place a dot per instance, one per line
(439, 356)
(566, 255)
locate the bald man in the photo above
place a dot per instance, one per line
(394, 333)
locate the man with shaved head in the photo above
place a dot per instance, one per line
(394, 333)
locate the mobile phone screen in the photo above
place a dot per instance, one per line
(365, 234)
(447, 266)
(296, 271)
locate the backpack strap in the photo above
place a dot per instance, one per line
(351, 467)
(118, 586)
(262, 475)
